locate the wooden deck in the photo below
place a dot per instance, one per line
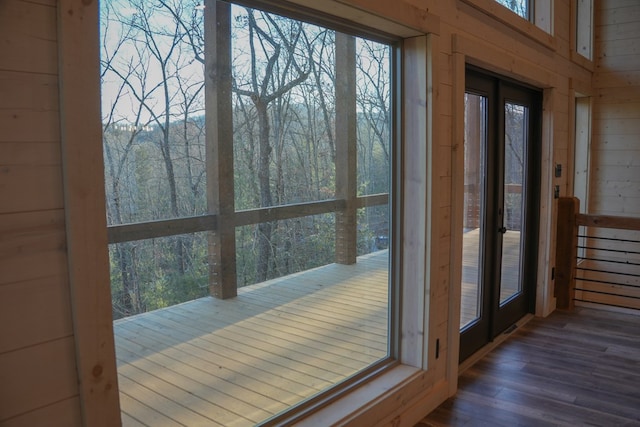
(239, 361)
(511, 268)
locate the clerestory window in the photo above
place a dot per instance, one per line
(248, 182)
(534, 18)
(519, 7)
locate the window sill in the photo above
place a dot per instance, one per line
(582, 61)
(404, 392)
(512, 20)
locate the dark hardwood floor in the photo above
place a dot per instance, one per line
(579, 368)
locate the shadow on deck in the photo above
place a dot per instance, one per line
(240, 361)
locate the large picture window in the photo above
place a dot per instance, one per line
(247, 173)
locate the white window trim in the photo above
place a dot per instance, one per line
(586, 62)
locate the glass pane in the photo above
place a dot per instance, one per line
(153, 115)
(150, 274)
(284, 110)
(516, 124)
(294, 245)
(374, 116)
(474, 174)
(584, 28)
(520, 7)
(373, 229)
(310, 114)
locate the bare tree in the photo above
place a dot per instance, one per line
(281, 73)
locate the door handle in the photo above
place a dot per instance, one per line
(502, 230)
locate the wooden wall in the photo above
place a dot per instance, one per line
(615, 155)
(38, 379)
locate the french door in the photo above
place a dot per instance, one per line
(501, 193)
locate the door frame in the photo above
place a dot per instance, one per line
(496, 318)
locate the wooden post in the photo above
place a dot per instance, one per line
(566, 251)
(219, 161)
(346, 154)
(84, 208)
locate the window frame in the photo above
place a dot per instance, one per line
(409, 386)
(578, 18)
(540, 29)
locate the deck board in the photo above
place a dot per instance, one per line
(239, 361)
(511, 264)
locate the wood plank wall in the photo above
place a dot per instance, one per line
(615, 167)
(38, 380)
(615, 147)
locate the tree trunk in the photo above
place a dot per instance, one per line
(173, 196)
(264, 178)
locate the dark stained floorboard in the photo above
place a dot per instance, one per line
(579, 368)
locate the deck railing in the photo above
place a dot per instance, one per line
(223, 281)
(597, 258)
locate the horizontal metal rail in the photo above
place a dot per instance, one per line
(625, 262)
(604, 263)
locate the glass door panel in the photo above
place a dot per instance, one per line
(501, 194)
(474, 143)
(515, 142)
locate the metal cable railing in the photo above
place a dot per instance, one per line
(597, 258)
(608, 275)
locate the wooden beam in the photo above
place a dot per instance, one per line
(609, 221)
(372, 200)
(256, 216)
(346, 149)
(171, 227)
(566, 251)
(219, 161)
(81, 133)
(153, 229)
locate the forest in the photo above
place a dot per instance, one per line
(288, 80)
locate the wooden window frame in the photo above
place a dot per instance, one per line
(408, 388)
(540, 30)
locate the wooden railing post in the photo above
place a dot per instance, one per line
(219, 161)
(346, 154)
(566, 251)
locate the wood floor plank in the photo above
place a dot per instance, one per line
(570, 369)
